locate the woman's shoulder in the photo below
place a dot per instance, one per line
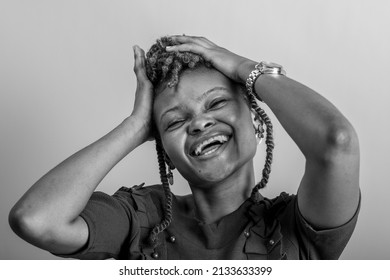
(282, 199)
(154, 194)
(280, 204)
(140, 191)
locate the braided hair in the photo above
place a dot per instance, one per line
(164, 69)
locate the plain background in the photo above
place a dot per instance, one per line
(66, 79)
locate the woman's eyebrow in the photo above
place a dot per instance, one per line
(174, 108)
(205, 94)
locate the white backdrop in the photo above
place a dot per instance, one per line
(66, 79)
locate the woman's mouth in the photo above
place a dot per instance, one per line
(209, 146)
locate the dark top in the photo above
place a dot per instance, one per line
(273, 229)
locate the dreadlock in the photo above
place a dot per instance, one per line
(164, 69)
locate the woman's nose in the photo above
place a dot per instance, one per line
(200, 124)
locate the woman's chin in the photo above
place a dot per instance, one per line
(213, 176)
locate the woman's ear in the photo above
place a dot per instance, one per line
(170, 168)
(256, 121)
(168, 161)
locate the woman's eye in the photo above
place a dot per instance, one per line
(175, 124)
(217, 103)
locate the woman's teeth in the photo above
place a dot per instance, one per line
(210, 151)
(218, 140)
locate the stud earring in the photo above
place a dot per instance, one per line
(170, 176)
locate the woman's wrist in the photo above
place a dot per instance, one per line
(137, 129)
(245, 69)
(263, 71)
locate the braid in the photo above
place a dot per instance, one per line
(168, 196)
(264, 119)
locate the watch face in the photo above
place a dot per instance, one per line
(272, 65)
(271, 68)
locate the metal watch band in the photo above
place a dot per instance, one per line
(260, 69)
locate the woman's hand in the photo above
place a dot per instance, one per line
(143, 103)
(230, 64)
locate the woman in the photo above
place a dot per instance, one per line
(198, 101)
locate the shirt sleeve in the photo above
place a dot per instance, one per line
(325, 244)
(111, 223)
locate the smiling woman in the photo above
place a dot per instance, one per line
(200, 103)
(187, 132)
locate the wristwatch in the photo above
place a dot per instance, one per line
(270, 68)
(260, 69)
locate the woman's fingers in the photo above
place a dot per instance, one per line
(139, 64)
(198, 45)
(187, 47)
(187, 39)
(142, 110)
(184, 39)
(225, 61)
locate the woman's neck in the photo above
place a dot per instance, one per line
(216, 200)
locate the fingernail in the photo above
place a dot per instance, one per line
(168, 48)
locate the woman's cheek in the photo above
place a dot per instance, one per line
(174, 144)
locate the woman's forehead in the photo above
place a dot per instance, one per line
(195, 84)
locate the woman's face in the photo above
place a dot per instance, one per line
(205, 126)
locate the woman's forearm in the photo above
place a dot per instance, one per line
(59, 196)
(48, 213)
(328, 194)
(315, 125)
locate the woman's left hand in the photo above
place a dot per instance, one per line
(230, 64)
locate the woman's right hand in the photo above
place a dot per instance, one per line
(143, 103)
